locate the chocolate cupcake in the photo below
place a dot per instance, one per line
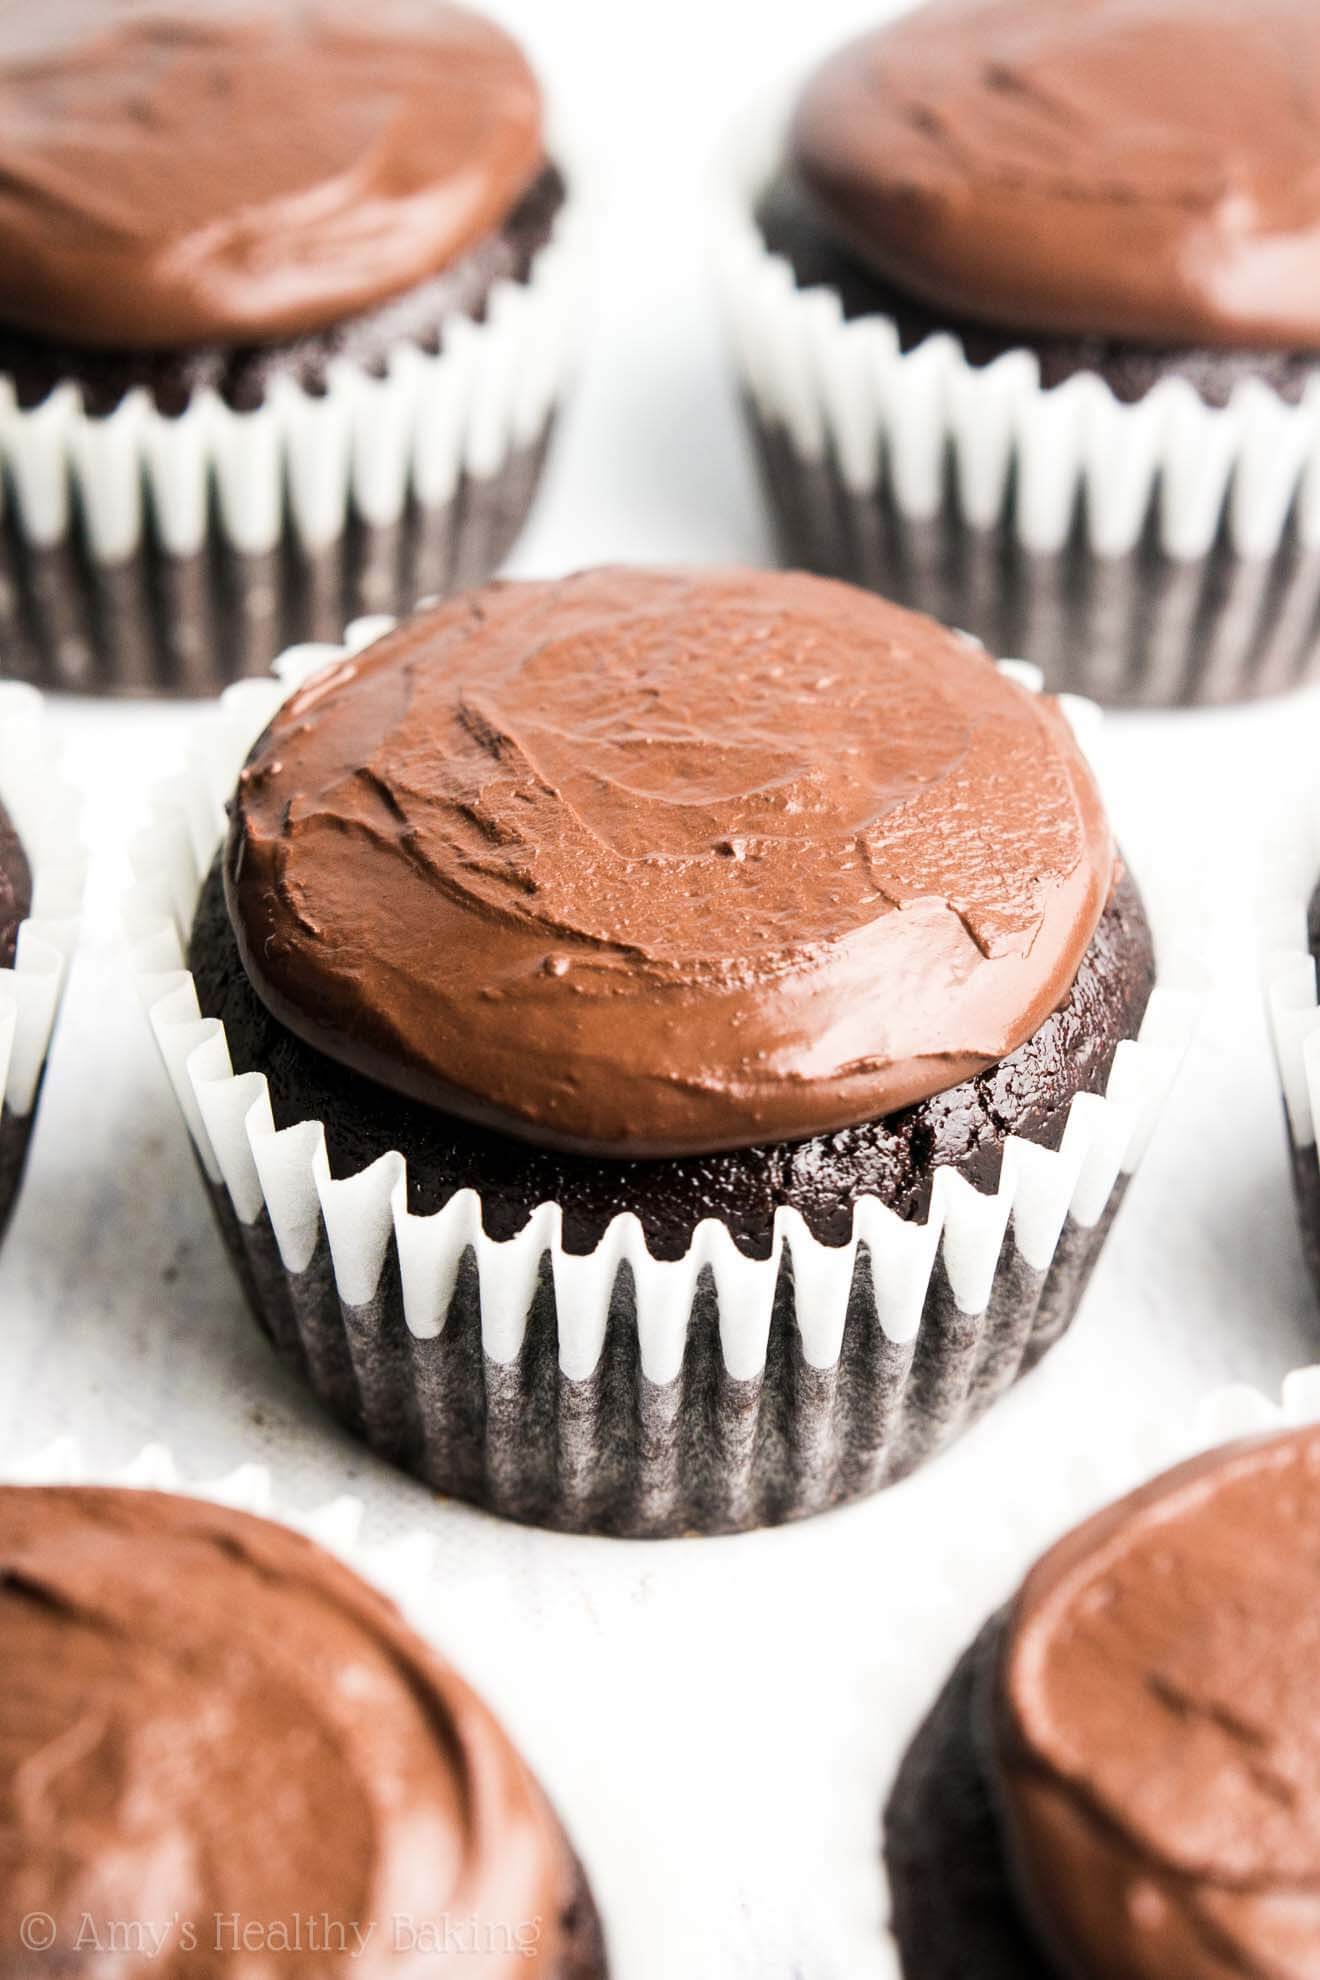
(1291, 979)
(41, 876)
(1119, 1782)
(285, 302)
(1025, 302)
(225, 1752)
(653, 1029)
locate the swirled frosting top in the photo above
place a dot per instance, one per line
(1159, 1726)
(1142, 169)
(644, 862)
(237, 171)
(223, 1753)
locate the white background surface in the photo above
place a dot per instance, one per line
(716, 1718)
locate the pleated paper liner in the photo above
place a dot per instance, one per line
(403, 1568)
(1292, 869)
(1160, 553)
(46, 814)
(614, 1392)
(147, 553)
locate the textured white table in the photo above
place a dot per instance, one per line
(718, 1719)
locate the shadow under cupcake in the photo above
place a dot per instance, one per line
(660, 1044)
(1024, 304)
(286, 311)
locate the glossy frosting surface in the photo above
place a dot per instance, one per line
(653, 862)
(208, 1726)
(1142, 169)
(237, 171)
(1159, 1727)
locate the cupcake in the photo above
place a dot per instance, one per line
(15, 907)
(1290, 975)
(1025, 302)
(1120, 1780)
(41, 875)
(285, 290)
(645, 1036)
(224, 1752)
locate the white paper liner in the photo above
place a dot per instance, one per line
(846, 389)
(363, 445)
(286, 1172)
(46, 814)
(1292, 1000)
(1291, 862)
(402, 1566)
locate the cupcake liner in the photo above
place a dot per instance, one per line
(1288, 972)
(142, 552)
(45, 813)
(613, 1391)
(402, 1566)
(1161, 552)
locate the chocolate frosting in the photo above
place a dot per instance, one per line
(1158, 1727)
(15, 888)
(242, 170)
(210, 1728)
(1144, 169)
(651, 862)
